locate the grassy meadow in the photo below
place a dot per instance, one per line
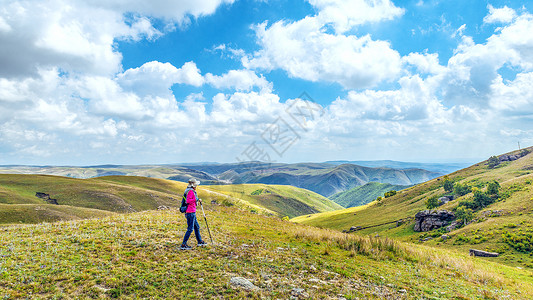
(136, 256)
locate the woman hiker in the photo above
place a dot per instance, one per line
(190, 214)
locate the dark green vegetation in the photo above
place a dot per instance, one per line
(495, 203)
(322, 178)
(101, 196)
(136, 256)
(364, 194)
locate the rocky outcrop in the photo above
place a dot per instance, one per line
(46, 197)
(506, 157)
(427, 220)
(474, 252)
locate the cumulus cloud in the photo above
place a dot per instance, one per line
(78, 36)
(304, 51)
(241, 80)
(344, 15)
(156, 78)
(499, 15)
(513, 97)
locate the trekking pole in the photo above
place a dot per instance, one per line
(202, 206)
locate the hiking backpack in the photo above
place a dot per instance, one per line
(183, 207)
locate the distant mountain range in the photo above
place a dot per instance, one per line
(323, 178)
(444, 168)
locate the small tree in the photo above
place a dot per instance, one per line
(390, 193)
(493, 188)
(432, 202)
(448, 185)
(481, 199)
(493, 162)
(464, 214)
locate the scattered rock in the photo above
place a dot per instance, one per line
(427, 220)
(426, 239)
(444, 200)
(453, 226)
(163, 207)
(243, 283)
(352, 229)
(300, 293)
(312, 268)
(474, 252)
(46, 197)
(444, 237)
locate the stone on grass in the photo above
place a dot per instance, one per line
(243, 283)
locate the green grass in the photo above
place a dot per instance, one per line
(283, 200)
(484, 233)
(364, 194)
(135, 256)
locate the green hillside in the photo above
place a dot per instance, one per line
(100, 196)
(283, 200)
(135, 256)
(364, 194)
(505, 226)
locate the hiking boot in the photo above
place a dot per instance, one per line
(202, 244)
(185, 247)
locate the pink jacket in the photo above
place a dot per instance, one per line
(191, 202)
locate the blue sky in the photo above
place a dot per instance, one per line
(93, 82)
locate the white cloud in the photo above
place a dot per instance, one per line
(474, 67)
(513, 97)
(78, 36)
(177, 10)
(425, 63)
(344, 15)
(304, 51)
(499, 15)
(156, 78)
(241, 80)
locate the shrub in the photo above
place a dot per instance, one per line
(464, 214)
(493, 162)
(379, 198)
(257, 192)
(432, 202)
(481, 199)
(521, 241)
(448, 185)
(467, 204)
(390, 193)
(462, 189)
(493, 188)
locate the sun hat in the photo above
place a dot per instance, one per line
(193, 182)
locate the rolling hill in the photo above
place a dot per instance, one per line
(323, 178)
(504, 226)
(364, 194)
(101, 196)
